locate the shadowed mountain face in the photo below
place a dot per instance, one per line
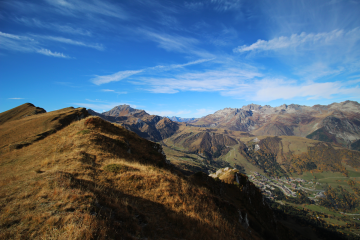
(151, 127)
(337, 122)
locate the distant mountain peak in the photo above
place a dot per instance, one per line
(125, 110)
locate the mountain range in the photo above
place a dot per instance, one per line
(338, 123)
(285, 137)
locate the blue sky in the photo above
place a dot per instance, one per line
(182, 58)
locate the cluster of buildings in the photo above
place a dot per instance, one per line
(266, 184)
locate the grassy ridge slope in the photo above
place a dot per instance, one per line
(18, 132)
(19, 112)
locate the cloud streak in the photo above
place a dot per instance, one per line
(175, 43)
(217, 5)
(250, 84)
(112, 91)
(97, 7)
(99, 80)
(25, 44)
(47, 52)
(72, 42)
(269, 89)
(35, 44)
(208, 81)
(305, 40)
(33, 22)
(170, 42)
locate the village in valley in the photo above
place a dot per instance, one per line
(288, 185)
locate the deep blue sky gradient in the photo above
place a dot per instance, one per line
(183, 58)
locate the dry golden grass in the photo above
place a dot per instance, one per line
(26, 130)
(60, 188)
(20, 112)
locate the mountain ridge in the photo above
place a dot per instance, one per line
(342, 120)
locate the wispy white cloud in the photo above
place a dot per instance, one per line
(70, 41)
(208, 81)
(352, 82)
(224, 37)
(96, 100)
(226, 5)
(35, 43)
(218, 5)
(75, 7)
(112, 91)
(25, 44)
(304, 40)
(170, 42)
(312, 55)
(47, 52)
(194, 5)
(16, 98)
(250, 84)
(174, 66)
(317, 70)
(33, 22)
(98, 80)
(175, 43)
(269, 89)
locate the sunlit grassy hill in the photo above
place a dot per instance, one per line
(27, 124)
(19, 112)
